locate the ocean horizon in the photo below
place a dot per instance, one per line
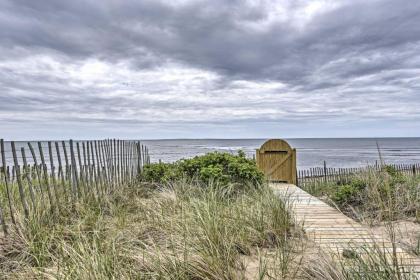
(311, 152)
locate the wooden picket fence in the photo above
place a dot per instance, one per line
(55, 172)
(333, 175)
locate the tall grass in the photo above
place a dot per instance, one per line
(372, 198)
(183, 231)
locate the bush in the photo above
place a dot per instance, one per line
(350, 193)
(373, 195)
(221, 167)
(160, 172)
(396, 176)
(346, 194)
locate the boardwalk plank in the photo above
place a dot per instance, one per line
(332, 230)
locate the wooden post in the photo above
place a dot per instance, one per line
(105, 162)
(114, 157)
(120, 154)
(119, 157)
(138, 158)
(46, 181)
(89, 166)
(2, 217)
(75, 180)
(141, 157)
(61, 171)
(28, 179)
(325, 171)
(37, 169)
(19, 181)
(94, 169)
(85, 168)
(66, 160)
(3, 221)
(81, 175)
(54, 181)
(111, 163)
(99, 186)
(6, 181)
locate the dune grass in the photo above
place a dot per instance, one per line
(181, 230)
(385, 200)
(373, 197)
(184, 231)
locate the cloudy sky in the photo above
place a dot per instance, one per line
(218, 69)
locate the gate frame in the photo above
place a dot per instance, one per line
(292, 179)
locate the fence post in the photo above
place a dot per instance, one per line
(75, 181)
(94, 168)
(325, 171)
(99, 186)
(19, 181)
(6, 181)
(52, 172)
(28, 178)
(80, 171)
(37, 169)
(61, 171)
(46, 181)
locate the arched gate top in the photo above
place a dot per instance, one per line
(275, 145)
(277, 160)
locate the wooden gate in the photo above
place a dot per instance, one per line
(278, 161)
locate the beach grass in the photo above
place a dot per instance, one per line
(182, 231)
(189, 229)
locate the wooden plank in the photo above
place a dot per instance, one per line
(45, 175)
(52, 172)
(27, 176)
(66, 160)
(335, 232)
(6, 181)
(61, 170)
(37, 169)
(75, 178)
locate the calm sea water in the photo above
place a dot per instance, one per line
(339, 152)
(342, 152)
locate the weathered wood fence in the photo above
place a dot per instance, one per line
(327, 174)
(54, 172)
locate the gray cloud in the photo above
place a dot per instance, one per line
(111, 63)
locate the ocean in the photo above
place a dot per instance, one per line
(311, 152)
(337, 152)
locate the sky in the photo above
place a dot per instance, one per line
(209, 69)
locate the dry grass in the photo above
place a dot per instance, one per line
(183, 231)
(387, 201)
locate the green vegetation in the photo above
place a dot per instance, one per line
(374, 196)
(221, 167)
(182, 232)
(210, 217)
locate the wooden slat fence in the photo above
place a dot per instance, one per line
(333, 175)
(55, 172)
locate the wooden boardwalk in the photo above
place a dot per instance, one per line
(333, 231)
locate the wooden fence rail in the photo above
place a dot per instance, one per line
(327, 174)
(67, 171)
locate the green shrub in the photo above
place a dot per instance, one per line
(346, 194)
(221, 167)
(393, 172)
(358, 184)
(396, 176)
(160, 172)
